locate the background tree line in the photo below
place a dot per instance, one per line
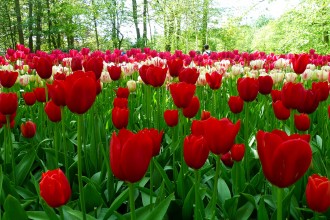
(159, 24)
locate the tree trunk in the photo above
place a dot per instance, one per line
(205, 21)
(11, 31)
(38, 25)
(19, 22)
(136, 23)
(178, 33)
(145, 8)
(30, 27)
(113, 15)
(49, 32)
(95, 25)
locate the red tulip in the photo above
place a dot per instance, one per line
(220, 134)
(182, 93)
(28, 129)
(236, 104)
(80, 91)
(189, 75)
(248, 88)
(280, 111)
(8, 78)
(195, 151)
(156, 137)
(191, 110)
(120, 103)
(40, 94)
(171, 117)
(120, 117)
(130, 155)
(205, 115)
(29, 98)
(276, 95)
(318, 193)
(76, 63)
(227, 159)
(8, 103)
(175, 66)
(302, 122)
(122, 92)
(309, 102)
(299, 63)
(57, 92)
(114, 72)
(55, 188)
(156, 76)
(292, 95)
(53, 111)
(321, 89)
(237, 152)
(265, 84)
(3, 118)
(214, 80)
(44, 67)
(143, 73)
(284, 159)
(94, 64)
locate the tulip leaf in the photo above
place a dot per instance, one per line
(13, 209)
(188, 204)
(49, 211)
(160, 210)
(223, 190)
(37, 215)
(164, 175)
(230, 207)
(117, 203)
(92, 201)
(287, 202)
(262, 211)
(74, 214)
(245, 211)
(24, 166)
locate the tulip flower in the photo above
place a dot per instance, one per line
(29, 98)
(143, 73)
(76, 63)
(284, 159)
(120, 117)
(276, 95)
(44, 67)
(55, 188)
(28, 129)
(156, 76)
(302, 122)
(94, 64)
(189, 75)
(237, 152)
(292, 95)
(8, 78)
(214, 80)
(171, 117)
(321, 89)
(122, 92)
(318, 193)
(8, 103)
(3, 118)
(191, 110)
(227, 159)
(175, 66)
(120, 102)
(265, 84)
(248, 88)
(195, 151)
(53, 111)
(299, 63)
(130, 155)
(40, 94)
(114, 72)
(57, 92)
(236, 104)
(205, 115)
(280, 111)
(156, 137)
(182, 93)
(309, 102)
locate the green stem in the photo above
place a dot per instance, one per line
(151, 181)
(215, 187)
(197, 203)
(246, 138)
(11, 149)
(214, 113)
(316, 216)
(79, 143)
(159, 90)
(131, 200)
(56, 144)
(279, 196)
(60, 209)
(65, 149)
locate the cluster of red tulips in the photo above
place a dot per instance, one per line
(149, 119)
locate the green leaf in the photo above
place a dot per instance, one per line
(117, 203)
(188, 204)
(13, 209)
(223, 191)
(238, 177)
(49, 211)
(164, 176)
(74, 214)
(24, 166)
(250, 198)
(230, 207)
(93, 201)
(160, 210)
(262, 211)
(37, 215)
(244, 212)
(287, 202)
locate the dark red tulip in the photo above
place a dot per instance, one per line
(205, 115)
(94, 64)
(3, 118)
(76, 63)
(248, 88)
(171, 117)
(130, 155)
(28, 129)
(120, 103)
(292, 95)
(318, 193)
(280, 111)
(120, 117)
(29, 98)
(227, 159)
(220, 134)
(236, 104)
(8, 103)
(53, 111)
(40, 94)
(276, 95)
(182, 93)
(156, 137)
(175, 66)
(321, 89)
(55, 188)
(59, 76)
(197, 127)
(237, 152)
(195, 151)
(265, 84)
(122, 92)
(44, 67)
(189, 75)
(302, 122)
(80, 91)
(309, 103)
(284, 160)
(214, 80)
(143, 73)
(8, 78)
(299, 63)
(114, 72)
(191, 110)
(156, 76)
(57, 92)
